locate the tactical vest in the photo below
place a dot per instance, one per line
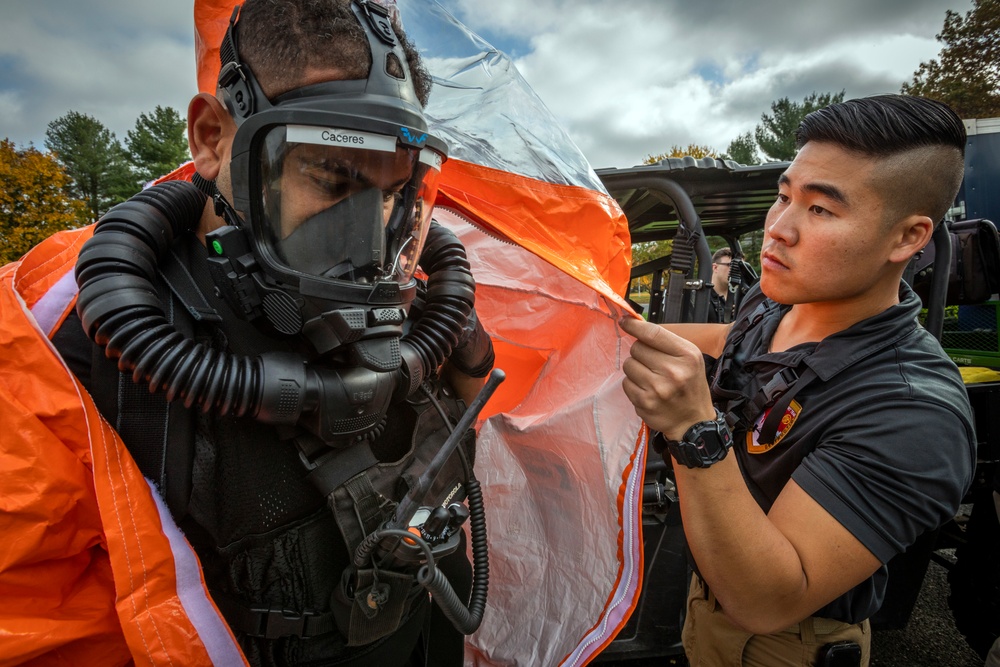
(276, 557)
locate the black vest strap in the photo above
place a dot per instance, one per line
(339, 465)
(184, 287)
(735, 400)
(769, 429)
(271, 623)
(750, 408)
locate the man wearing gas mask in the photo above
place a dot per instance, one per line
(264, 345)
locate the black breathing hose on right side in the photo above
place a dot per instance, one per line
(451, 296)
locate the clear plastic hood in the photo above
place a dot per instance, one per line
(484, 109)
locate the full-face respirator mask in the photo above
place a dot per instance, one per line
(333, 187)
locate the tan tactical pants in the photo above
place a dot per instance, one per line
(711, 640)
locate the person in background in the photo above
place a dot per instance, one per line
(721, 260)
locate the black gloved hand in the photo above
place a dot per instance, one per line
(473, 354)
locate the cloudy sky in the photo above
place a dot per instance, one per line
(626, 79)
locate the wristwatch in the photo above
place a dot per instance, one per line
(704, 444)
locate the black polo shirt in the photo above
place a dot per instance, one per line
(882, 437)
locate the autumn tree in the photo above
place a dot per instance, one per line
(966, 74)
(94, 160)
(775, 134)
(647, 251)
(33, 200)
(694, 150)
(157, 145)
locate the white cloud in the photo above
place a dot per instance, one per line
(630, 79)
(10, 107)
(110, 62)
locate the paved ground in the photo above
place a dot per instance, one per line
(930, 639)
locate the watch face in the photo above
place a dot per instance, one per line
(704, 444)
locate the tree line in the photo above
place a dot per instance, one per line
(85, 171)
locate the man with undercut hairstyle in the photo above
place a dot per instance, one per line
(850, 429)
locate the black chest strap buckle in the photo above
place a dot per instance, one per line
(769, 429)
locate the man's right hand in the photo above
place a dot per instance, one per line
(665, 379)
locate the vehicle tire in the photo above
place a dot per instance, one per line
(975, 578)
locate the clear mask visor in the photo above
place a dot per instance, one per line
(345, 204)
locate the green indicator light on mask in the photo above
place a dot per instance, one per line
(217, 247)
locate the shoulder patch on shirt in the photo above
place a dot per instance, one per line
(792, 413)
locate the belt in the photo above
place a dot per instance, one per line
(817, 625)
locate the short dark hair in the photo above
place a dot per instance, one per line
(720, 253)
(281, 39)
(921, 141)
(884, 125)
